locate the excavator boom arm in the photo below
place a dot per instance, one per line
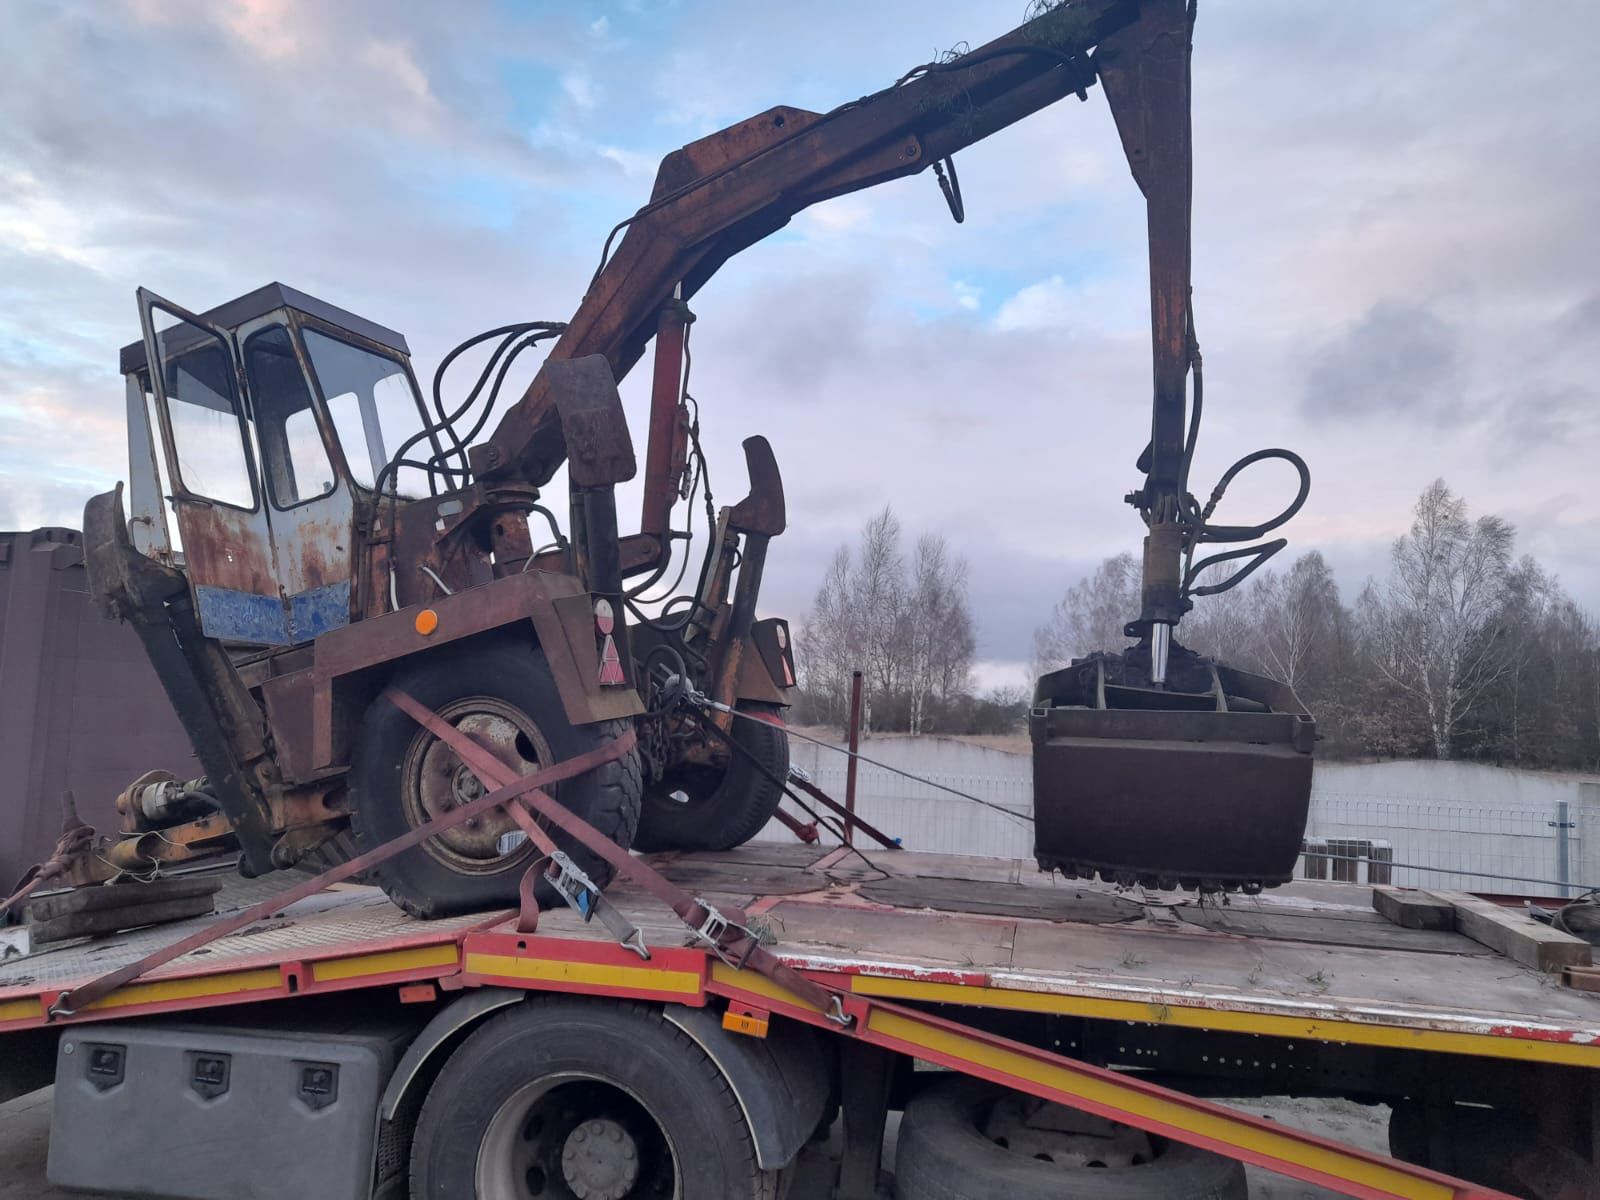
(721, 194)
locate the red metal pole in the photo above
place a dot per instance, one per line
(850, 770)
(666, 429)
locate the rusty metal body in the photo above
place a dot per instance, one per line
(307, 577)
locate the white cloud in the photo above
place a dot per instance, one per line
(632, 162)
(36, 222)
(1048, 304)
(581, 89)
(843, 214)
(395, 61)
(355, 150)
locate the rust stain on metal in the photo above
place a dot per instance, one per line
(227, 548)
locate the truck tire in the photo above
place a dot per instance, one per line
(564, 1096)
(401, 776)
(950, 1149)
(697, 806)
(1500, 1148)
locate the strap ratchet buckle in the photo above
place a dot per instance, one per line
(715, 927)
(574, 886)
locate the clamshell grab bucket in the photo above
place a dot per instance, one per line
(1204, 784)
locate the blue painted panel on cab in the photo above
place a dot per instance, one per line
(241, 616)
(314, 612)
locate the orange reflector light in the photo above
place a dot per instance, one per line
(427, 621)
(745, 1023)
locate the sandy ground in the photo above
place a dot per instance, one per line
(25, 1136)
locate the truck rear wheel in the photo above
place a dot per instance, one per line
(967, 1139)
(702, 806)
(504, 695)
(565, 1098)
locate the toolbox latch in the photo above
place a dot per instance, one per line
(319, 1084)
(106, 1065)
(208, 1073)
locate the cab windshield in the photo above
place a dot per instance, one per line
(371, 402)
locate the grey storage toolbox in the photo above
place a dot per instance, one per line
(211, 1112)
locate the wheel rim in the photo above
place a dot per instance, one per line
(575, 1137)
(434, 781)
(1068, 1139)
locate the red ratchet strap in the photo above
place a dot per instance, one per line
(726, 934)
(78, 999)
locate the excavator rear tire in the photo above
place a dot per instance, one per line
(703, 807)
(503, 692)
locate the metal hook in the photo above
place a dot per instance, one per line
(951, 187)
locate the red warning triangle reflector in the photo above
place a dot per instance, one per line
(610, 664)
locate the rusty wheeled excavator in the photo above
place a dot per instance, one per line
(340, 536)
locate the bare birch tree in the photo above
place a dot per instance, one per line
(911, 638)
(877, 601)
(1224, 625)
(938, 627)
(828, 651)
(1433, 625)
(1296, 615)
(1090, 616)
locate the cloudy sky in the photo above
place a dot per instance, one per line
(1397, 260)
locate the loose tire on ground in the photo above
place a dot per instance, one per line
(945, 1154)
(401, 775)
(502, 1118)
(722, 807)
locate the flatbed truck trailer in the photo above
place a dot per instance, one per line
(345, 1048)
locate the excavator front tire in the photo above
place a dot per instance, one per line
(503, 694)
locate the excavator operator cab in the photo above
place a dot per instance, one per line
(265, 423)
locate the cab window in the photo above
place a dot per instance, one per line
(370, 401)
(203, 413)
(294, 459)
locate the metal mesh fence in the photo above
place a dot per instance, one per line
(1435, 844)
(925, 818)
(1540, 847)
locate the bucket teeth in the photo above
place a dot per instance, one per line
(1152, 882)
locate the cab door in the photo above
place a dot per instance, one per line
(309, 507)
(221, 513)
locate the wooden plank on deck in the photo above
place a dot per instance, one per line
(1516, 935)
(1412, 909)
